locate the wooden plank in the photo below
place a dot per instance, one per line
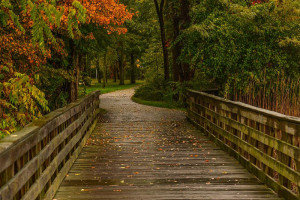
(275, 143)
(142, 152)
(46, 175)
(273, 119)
(282, 191)
(21, 142)
(266, 159)
(17, 182)
(62, 174)
(17, 152)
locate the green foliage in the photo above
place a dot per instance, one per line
(149, 92)
(110, 87)
(86, 80)
(172, 93)
(20, 102)
(232, 42)
(161, 104)
(201, 82)
(152, 62)
(41, 30)
(53, 82)
(47, 40)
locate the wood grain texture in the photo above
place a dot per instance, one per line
(143, 152)
(15, 184)
(265, 142)
(268, 160)
(35, 158)
(271, 118)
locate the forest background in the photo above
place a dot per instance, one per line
(248, 50)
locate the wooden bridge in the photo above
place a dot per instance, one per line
(234, 151)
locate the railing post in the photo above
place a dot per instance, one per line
(38, 157)
(267, 143)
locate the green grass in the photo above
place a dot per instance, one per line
(160, 104)
(109, 87)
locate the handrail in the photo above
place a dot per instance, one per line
(265, 142)
(34, 160)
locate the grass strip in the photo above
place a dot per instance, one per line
(160, 104)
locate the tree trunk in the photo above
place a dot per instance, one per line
(159, 11)
(106, 72)
(96, 72)
(73, 88)
(115, 72)
(99, 76)
(98, 69)
(77, 73)
(121, 64)
(88, 65)
(185, 17)
(104, 66)
(121, 69)
(132, 66)
(176, 48)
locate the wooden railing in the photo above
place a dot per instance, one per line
(265, 142)
(35, 160)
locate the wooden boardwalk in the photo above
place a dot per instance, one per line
(141, 152)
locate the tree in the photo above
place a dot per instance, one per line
(121, 60)
(160, 13)
(45, 37)
(179, 13)
(249, 49)
(27, 41)
(111, 16)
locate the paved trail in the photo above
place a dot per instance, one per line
(142, 152)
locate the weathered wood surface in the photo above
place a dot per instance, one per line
(34, 160)
(142, 152)
(265, 142)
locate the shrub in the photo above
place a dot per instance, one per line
(20, 101)
(87, 81)
(171, 92)
(149, 92)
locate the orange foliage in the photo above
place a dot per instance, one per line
(109, 14)
(17, 48)
(21, 57)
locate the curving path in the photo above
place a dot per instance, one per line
(143, 152)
